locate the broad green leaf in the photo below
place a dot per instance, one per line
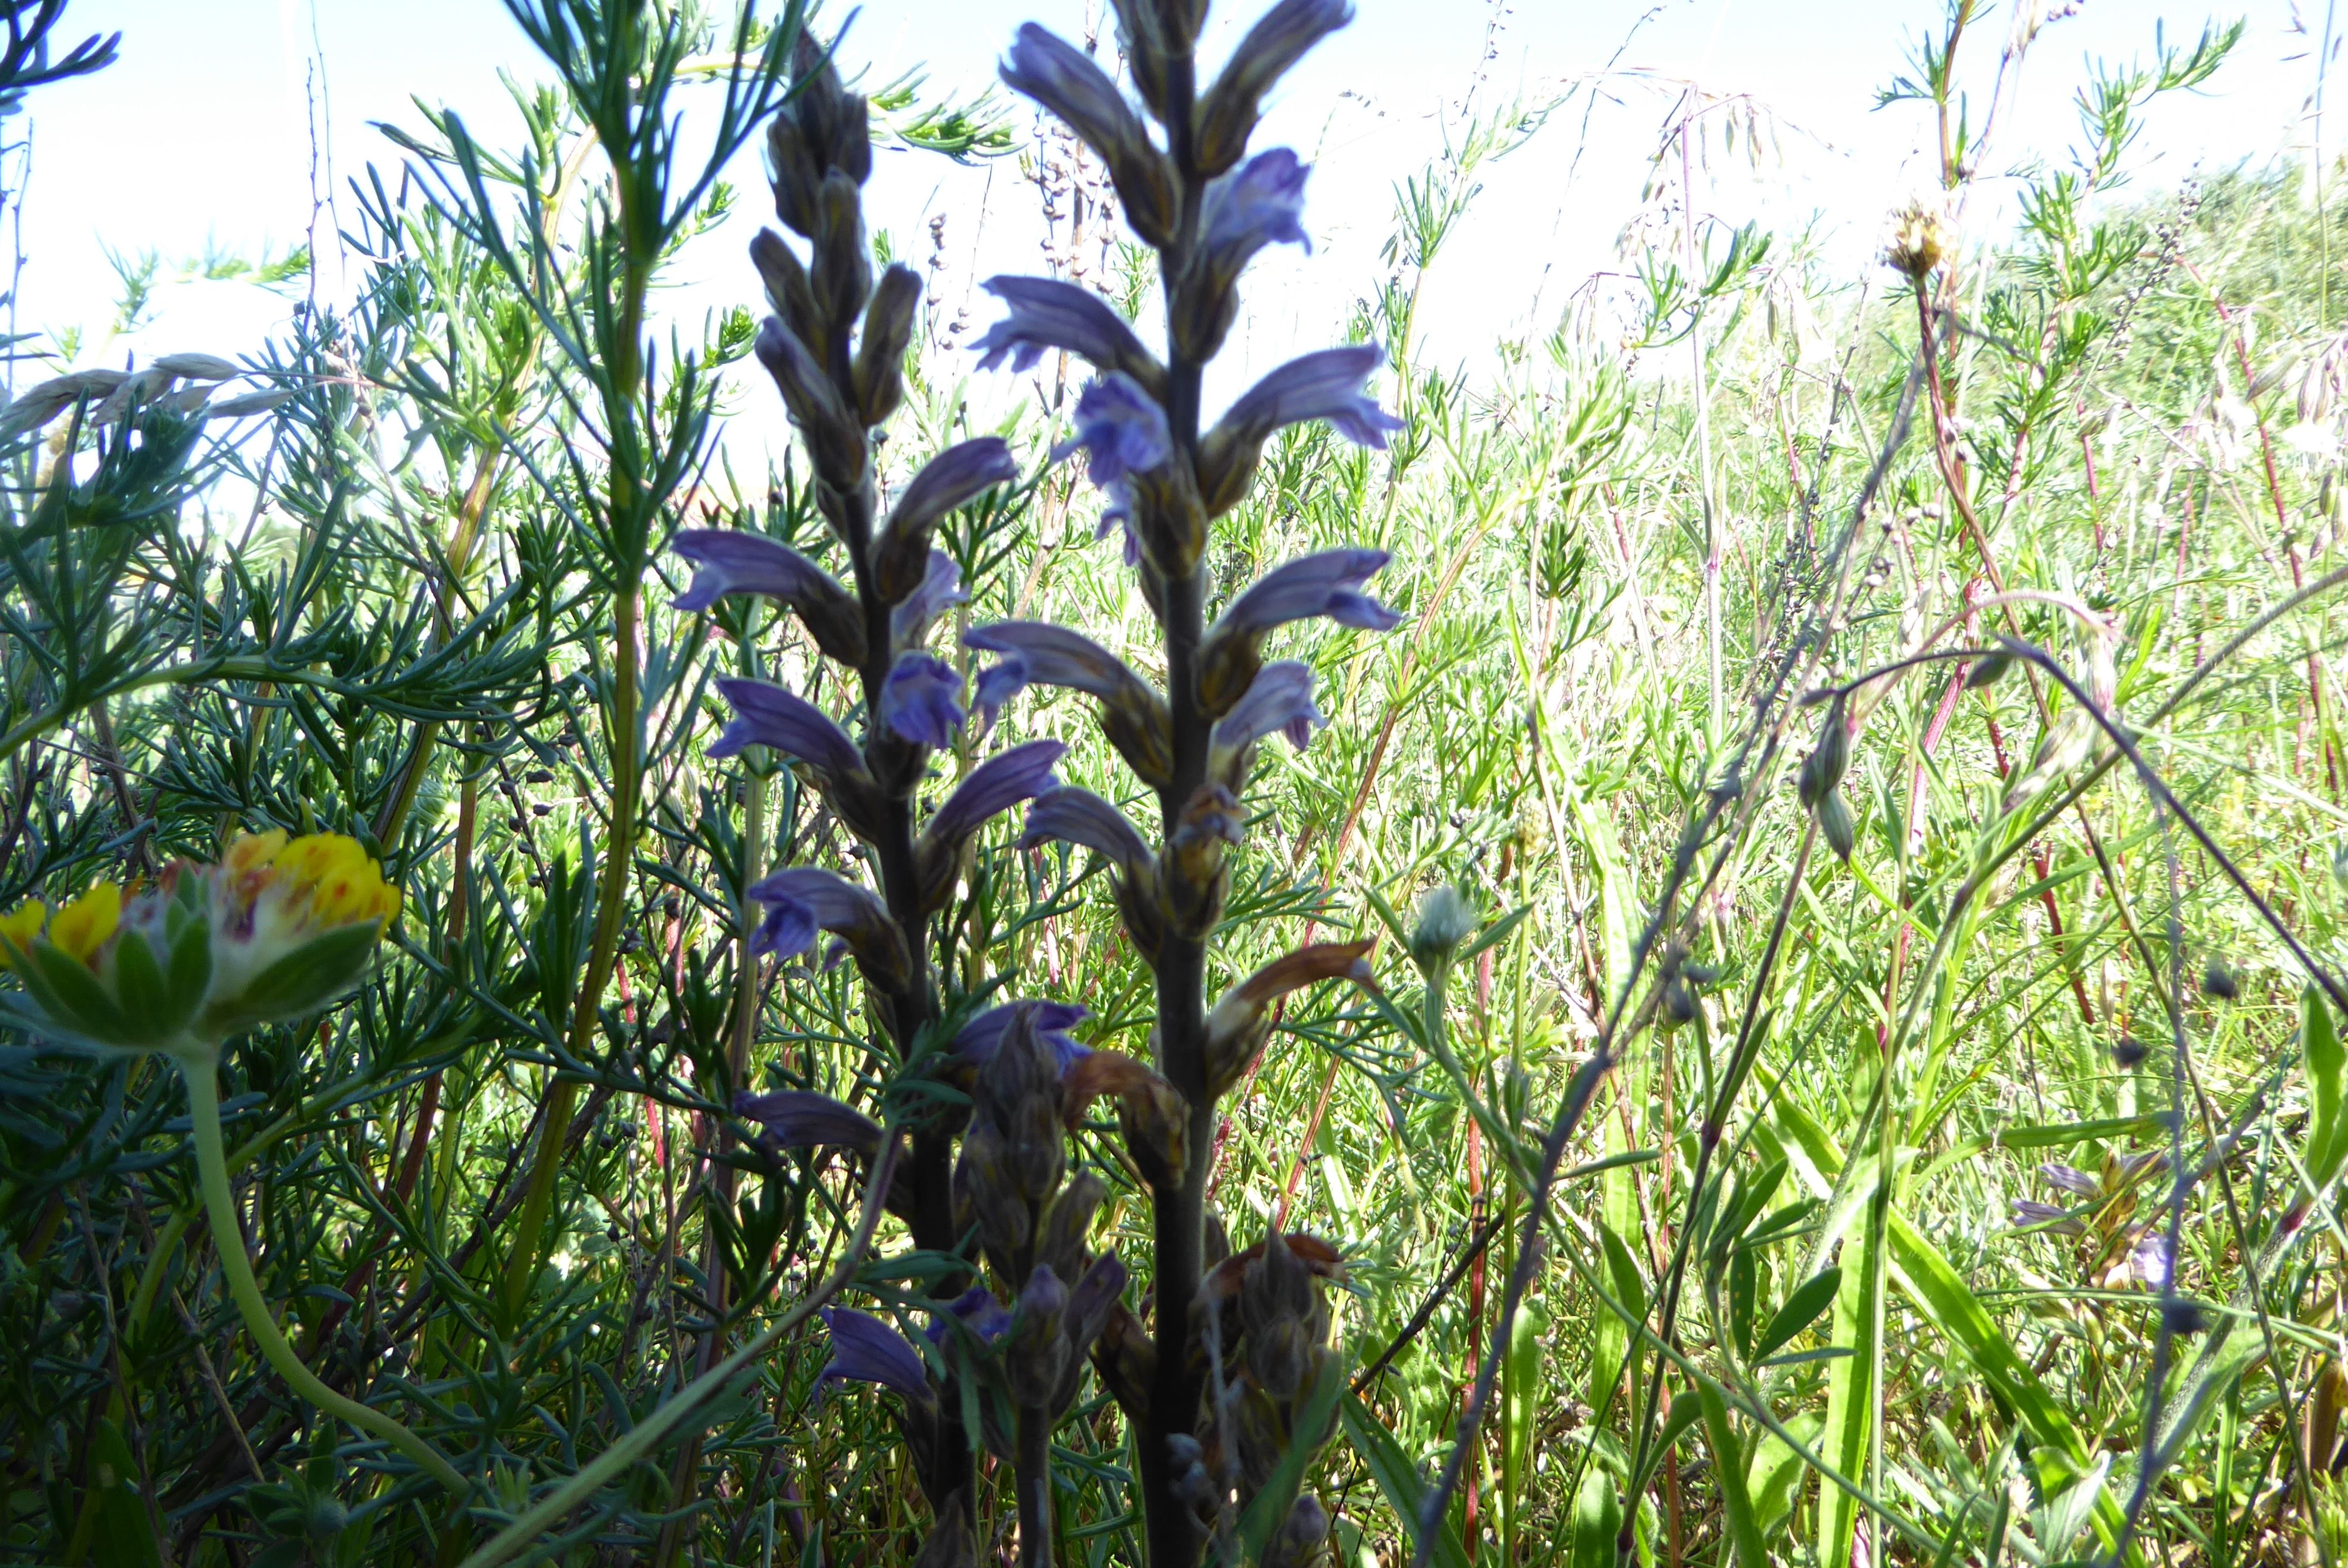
(2327, 1135)
(1597, 1520)
(1397, 1480)
(1728, 1473)
(1810, 1299)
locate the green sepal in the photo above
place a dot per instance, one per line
(140, 989)
(72, 995)
(310, 976)
(190, 972)
(2327, 1065)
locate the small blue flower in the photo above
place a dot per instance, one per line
(996, 784)
(976, 1041)
(1326, 583)
(1122, 428)
(950, 479)
(798, 1119)
(767, 715)
(922, 700)
(1048, 315)
(941, 590)
(2152, 1261)
(2029, 1214)
(2069, 1179)
(1279, 698)
(1259, 203)
(975, 1310)
(866, 1350)
(1043, 653)
(1324, 385)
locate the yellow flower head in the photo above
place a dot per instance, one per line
(82, 927)
(20, 925)
(317, 882)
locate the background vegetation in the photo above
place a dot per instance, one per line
(1790, 1298)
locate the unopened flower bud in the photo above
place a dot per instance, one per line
(1679, 1003)
(1284, 1318)
(1018, 1096)
(1187, 1459)
(1836, 829)
(1918, 241)
(2218, 981)
(880, 370)
(1445, 919)
(1195, 878)
(1823, 769)
(842, 273)
(1038, 1350)
(1299, 1539)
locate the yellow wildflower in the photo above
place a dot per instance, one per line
(20, 925)
(82, 927)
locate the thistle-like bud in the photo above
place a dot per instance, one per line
(878, 373)
(1445, 919)
(1919, 241)
(1823, 769)
(1196, 878)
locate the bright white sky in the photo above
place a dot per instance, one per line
(198, 138)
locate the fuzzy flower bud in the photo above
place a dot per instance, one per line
(1919, 241)
(1445, 919)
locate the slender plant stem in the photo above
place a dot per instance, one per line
(197, 1070)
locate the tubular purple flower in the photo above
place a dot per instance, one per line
(996, 784)
(866, 1350)
(805, 899)
(922, 700)
(1279, 698)
(948, 480)
(1080, 817)
(1064, 80)
(976, 1041)
(766, 715)
(1122, 428)
(835, 436)
(1257, 204)
(2069, 1179)
(1047, 313)
(798, 1119)
(975, 1310)
(2152, 1261)
(2029, 1214)
(1228, 110)
(941, 590)
(729, 561)
(1326, 384)
(1133, 715)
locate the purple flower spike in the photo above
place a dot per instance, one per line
(996, 784)
(805, 899)
(1121, 427)
(1279, 698)
(1050, 655)
(1081, 817)
(922, 700)
(797, 1119)
(2068, 1179)
(1259, 203)
(978, 1038)
(951, 478)
(1048, 315)
(866, 1350)
(1324, 385)
(941, 590)
(975, 1309)
(767, 715)
(1328, 583)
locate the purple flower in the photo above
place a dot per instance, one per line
(797, 1119)
(1323, 385)
(940, 589)
(1227, 111)
(2152, 1261)
(2032, 1215)
(1327, 583)
(1081, 817)
(1279, 698)
(2068, 1179)
(805, 899)
(1121, 427)
(996, 784)
(922, 700)
(866, 1350)
(729, 561)
(976, 1310)
(977, 1039)
(946, 481)
(1043, 654)
(1048, 315)
(767, 715)
(1257, 204)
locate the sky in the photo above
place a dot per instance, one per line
(198, 142)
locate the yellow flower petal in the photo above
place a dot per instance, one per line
(20, 925)
(82, 927)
